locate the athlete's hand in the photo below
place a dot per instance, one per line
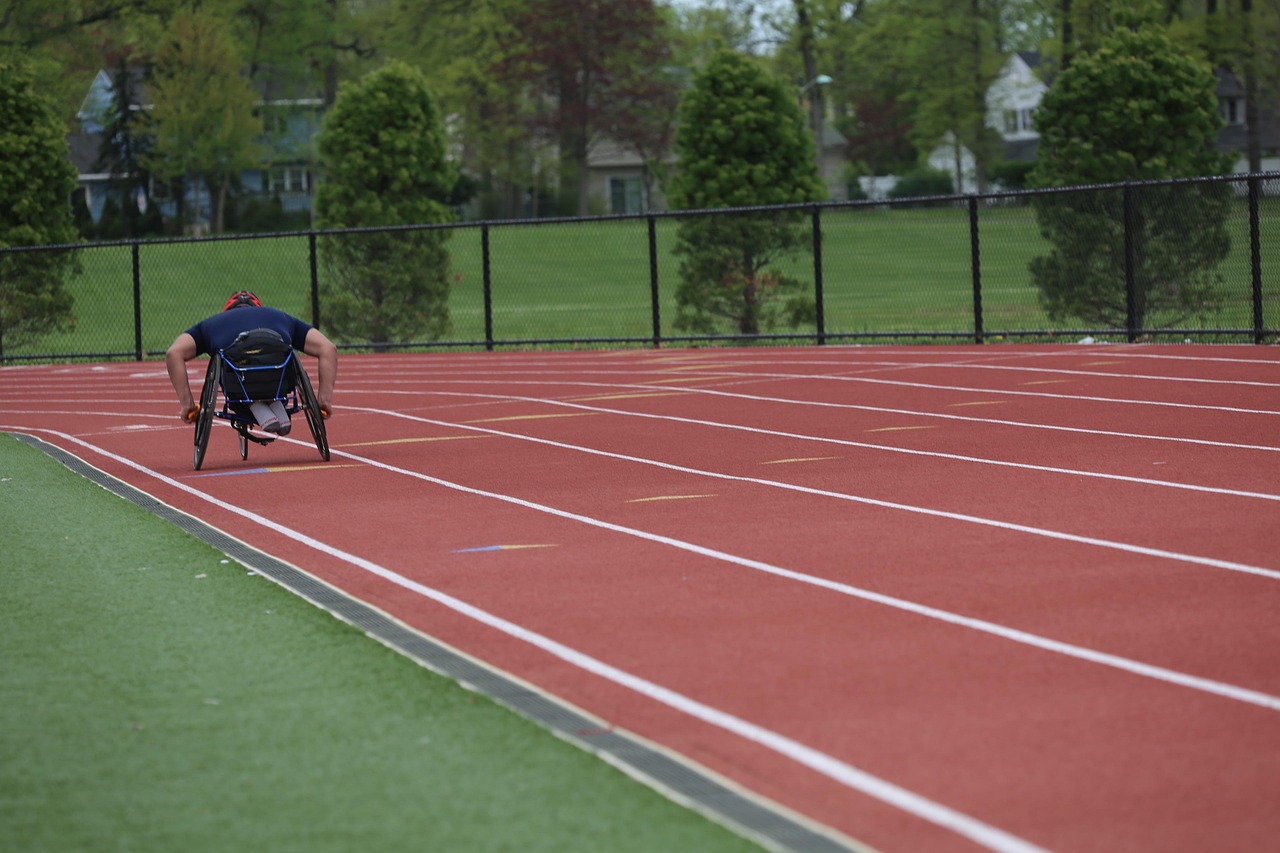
(190, 414)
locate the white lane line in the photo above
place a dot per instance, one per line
(833, 768)
(852, 406)
(1173, 357)
(974, 365)
(869, 446)
(80, 413)
(1211, 562)
(716, 373)
(993, 392)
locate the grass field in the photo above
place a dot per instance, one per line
(884, 270)
(159, 697)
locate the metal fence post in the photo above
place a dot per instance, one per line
(315, 280)
(1130, 294)
(820, 319)
(975, 261)
(653, 280)
(1255, 258)
(488, 283)
(137, 304)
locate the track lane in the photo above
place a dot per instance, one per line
(898, 552)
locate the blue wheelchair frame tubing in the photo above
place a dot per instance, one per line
(238, 375)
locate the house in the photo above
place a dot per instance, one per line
(94, 184)
(1234, 136)
(618, 182)
(289, 127)
(1013, 98)
(1011, 105)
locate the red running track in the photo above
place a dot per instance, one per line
(932, 599)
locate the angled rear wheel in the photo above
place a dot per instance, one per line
(208, 401)
(311, 407)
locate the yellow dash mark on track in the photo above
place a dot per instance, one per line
(799, 459)
(980, 403)
(678, 379)
(1098, 363)
(667, 498)
(412, 440)
(531, 417)
(899, 429)
(625, 396)
(282, 469)
(1048, 382)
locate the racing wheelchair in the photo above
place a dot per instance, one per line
(265, 373)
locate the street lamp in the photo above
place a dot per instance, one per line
(820, 80)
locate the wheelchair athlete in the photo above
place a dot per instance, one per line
(244, 312)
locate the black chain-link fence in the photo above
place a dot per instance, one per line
(1176, 260)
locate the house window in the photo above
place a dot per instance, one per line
(289, 179)
(1231, 111)
(1019, 121)
(626, 195)
(159, 190)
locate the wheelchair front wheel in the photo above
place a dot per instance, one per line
(208, 401)
(311, 406)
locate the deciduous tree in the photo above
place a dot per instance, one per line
(596, 68)
(203, 123)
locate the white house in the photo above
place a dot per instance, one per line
(1013, 98)
(1011, 106)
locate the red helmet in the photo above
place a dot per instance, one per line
(242, 297)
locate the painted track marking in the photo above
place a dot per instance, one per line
(1074, 472)
(862, 408)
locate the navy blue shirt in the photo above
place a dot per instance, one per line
(218, 331)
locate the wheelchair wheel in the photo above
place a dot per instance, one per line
(244, 446)
(208, 401)
(311, 406)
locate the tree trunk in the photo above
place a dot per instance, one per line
(980, 153)
(219, 205)
(1252, 119)
(811, 87)
(1068, 33)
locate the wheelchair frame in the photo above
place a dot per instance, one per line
(301, 398)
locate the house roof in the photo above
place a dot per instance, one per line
(103, 88)
(1031, 57)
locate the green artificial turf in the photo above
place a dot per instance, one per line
(158, 697)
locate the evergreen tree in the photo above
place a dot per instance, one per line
(36, 184)
(742, 142)
(383, 153)
(1137, 108)
(124, 146)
